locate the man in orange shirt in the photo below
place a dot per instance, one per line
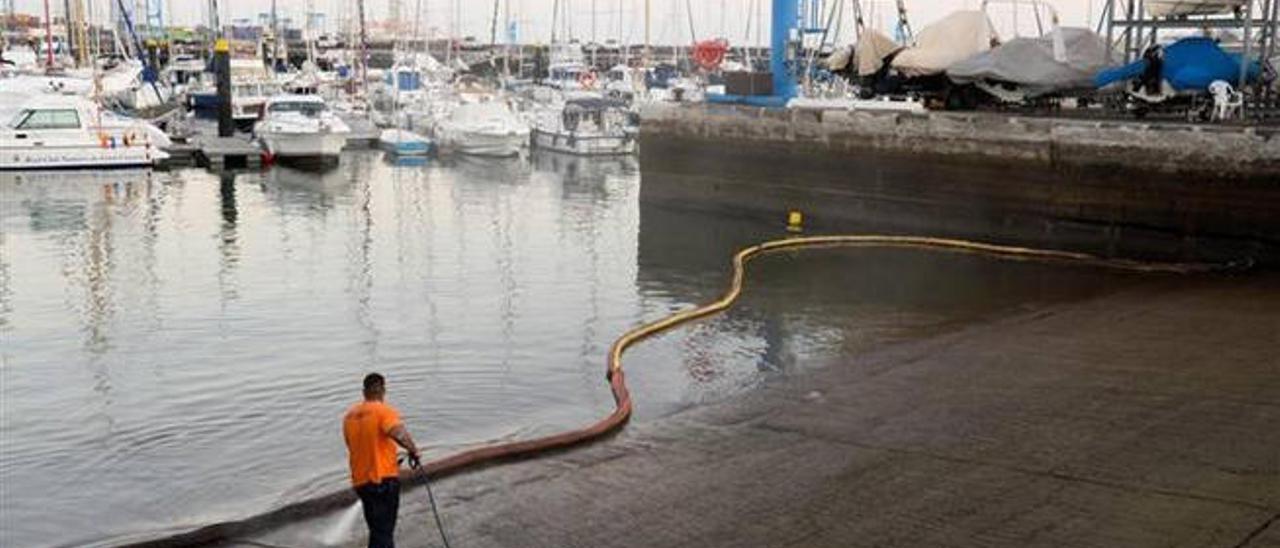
(372, 430)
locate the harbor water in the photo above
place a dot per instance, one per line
(177, 348)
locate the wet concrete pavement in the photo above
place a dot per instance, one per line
(1145, 417)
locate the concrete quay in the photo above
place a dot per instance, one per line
(1143, 417)
(1211, 151)
(1158, 190)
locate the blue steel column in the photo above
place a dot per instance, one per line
(785, 14)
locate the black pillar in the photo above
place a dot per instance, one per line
(222, 68)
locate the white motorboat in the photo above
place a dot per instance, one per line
(587, 127)
(52, 131)
(482, 129)
(403, 142)
(301, 127)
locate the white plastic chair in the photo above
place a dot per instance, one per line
(1227, 102)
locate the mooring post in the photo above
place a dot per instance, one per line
(222, 68)
(152, 71)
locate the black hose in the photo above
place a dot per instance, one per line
(431, 497)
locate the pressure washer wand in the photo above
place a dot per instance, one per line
(431, 497)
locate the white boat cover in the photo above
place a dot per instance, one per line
(944, 43)
(838, 60)
(1031, 62)
(871, 50)
(487, 117)
(1167, 8)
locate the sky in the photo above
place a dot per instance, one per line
(621, 20)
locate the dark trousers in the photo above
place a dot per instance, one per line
(381, 503)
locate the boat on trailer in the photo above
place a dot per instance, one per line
(54, 131)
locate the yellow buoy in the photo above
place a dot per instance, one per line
(795, 221)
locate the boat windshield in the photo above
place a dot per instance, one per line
(309, 108)
(19, 118)
(46, 119)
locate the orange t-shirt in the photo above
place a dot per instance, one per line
(370, 449)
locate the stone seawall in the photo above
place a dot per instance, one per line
(1143, 189)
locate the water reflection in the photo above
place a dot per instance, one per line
(206, 310)
(298, 191)
(6, 289)
(360, 270)
(812, 308)
(229, 247)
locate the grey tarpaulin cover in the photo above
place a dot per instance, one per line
(1031, 64)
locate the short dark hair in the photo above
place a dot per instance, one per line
(374, 382)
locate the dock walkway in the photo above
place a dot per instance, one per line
(227, 152)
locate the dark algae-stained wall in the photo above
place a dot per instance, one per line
(1168, 191)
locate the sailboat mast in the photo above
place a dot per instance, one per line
(275, 36)
(82, 32)
(506, 28)
(48, 37)
(417, 28)
(723, 9)
(309, 32)
(622, 40)
(364, 45)
(555, 18)
(97, 39)
(647, 43)
(66, 18)
(493, 24)
(568, 18)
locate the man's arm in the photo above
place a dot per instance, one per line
(403, 438)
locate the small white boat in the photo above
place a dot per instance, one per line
(403, 142)
(69, 132)
(301, 127)
(482, 129)
(587, 127)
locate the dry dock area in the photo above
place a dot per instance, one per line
(1144, 417)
